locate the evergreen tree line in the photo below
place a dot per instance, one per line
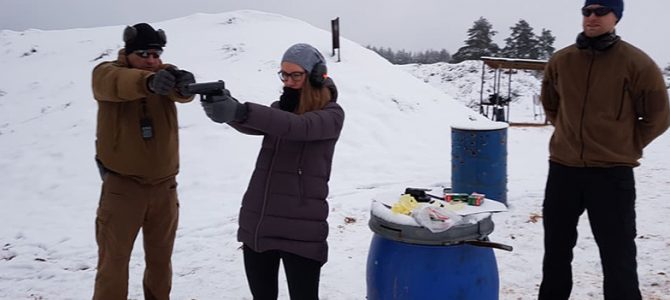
(522, 43)
(402, 57)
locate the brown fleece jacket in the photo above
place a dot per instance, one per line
(606, 106)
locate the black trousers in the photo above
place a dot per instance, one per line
(608, 195)
(262, 271)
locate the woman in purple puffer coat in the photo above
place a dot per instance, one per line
(284, 210)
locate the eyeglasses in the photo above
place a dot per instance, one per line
(147, 53)
(295, 76)
(599, 11)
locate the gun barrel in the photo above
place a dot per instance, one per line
(214, 88)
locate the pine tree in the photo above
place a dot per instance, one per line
(390, 55)
(546, 44)
(522, 42)
(402, 57)
(479, 43)
(444, 56)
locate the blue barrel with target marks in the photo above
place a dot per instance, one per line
(479, 160)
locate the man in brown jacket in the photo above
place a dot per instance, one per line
(137, 152)
(607, 101)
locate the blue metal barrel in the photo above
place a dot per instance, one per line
(479, 160)
(403, 271)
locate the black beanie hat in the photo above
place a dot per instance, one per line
(143, 37)
(615, 5)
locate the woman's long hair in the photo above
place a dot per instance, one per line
(312, 98)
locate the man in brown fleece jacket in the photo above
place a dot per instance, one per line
(137, 152)
(607, 101)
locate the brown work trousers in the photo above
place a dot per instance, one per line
(125, 207)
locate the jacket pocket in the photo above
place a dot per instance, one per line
(624, 92)
(640, 108)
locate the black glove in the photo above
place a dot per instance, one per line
(224, 108)
(161, 82)
(184, 78)
(289, 100)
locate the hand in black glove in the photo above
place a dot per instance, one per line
(289, 99)
(224, 108)
(184, 78)
(161, 82)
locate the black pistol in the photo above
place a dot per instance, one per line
(208, 91)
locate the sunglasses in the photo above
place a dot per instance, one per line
(599, 11)
(295, 76)
(147, 53)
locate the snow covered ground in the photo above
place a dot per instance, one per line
(463, 81)
(397, 134)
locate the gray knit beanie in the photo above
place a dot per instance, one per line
(303, 55)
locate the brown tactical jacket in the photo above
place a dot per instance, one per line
(123, 101)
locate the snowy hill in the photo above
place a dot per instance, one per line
(396, 134)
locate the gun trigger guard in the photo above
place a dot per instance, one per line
(216, 98)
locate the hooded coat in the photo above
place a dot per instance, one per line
(285, 206)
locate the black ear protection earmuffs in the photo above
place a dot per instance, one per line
(318, 75)
(130, 33)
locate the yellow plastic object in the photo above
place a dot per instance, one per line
(405, 205)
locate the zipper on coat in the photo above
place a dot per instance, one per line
(300, 171)
(586, 98)
(300, 186)
(624, 90)
(265, 193)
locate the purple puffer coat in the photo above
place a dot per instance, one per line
(285, 207)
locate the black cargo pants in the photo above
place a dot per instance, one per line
(608, 196)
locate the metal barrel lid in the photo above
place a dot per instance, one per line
(423, 236)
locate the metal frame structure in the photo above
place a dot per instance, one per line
(499, 104)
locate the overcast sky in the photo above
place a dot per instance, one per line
(411, 25)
